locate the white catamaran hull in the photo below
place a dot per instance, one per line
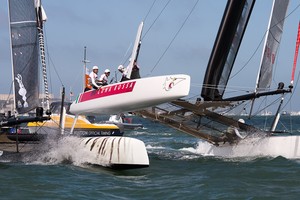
(132, 95)
(274, 146)
(115, 152)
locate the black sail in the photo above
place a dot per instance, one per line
(227, 43)
(25, 54)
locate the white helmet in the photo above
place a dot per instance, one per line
(95, 67)
(241, 120)
(107, 71)
(121, 67)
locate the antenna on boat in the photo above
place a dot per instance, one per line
(62, 113)
(84, 69)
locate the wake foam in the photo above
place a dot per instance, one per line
(62, 151)
(274, 146)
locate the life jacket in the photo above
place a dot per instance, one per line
(88, 82)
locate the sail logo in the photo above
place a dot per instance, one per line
(22, 92)
(169, 83)
(270, 55)
(109, 90)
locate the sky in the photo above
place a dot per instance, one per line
(171, 42)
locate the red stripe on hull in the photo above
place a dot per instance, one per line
(107, 91)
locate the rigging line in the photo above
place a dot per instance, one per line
(56, 70)
(266, 106)
(126, 53)
(275, 66)
(292, 11)
(156, 19)
(261, 42)
(49, 57)
(144, 35)
(247, 62)
(175, 36)
(126, 58)
(149, 10)
(292, 94)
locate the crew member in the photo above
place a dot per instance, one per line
(135, 73)
(123, 71)
(93, 78)
(232, 134)
(104, 77)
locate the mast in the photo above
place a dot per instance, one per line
(12, 63)
(13, 82)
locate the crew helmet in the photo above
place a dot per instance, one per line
(121, 67)
(241, 120)
(95, 67)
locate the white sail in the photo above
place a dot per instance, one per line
(271, 45)
(135, 51)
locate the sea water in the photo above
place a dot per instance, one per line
(177, 170)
